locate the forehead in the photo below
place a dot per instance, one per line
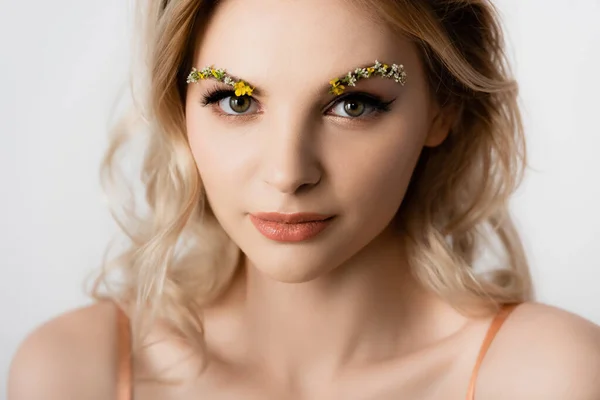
(287, 43)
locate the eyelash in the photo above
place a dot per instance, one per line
(215, 95)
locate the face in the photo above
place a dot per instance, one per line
(294, 147)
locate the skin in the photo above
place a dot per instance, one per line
(338, 316)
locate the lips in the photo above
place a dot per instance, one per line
(295, 227)
(294, 218)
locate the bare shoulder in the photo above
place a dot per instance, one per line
(542, 352)
(71, 356)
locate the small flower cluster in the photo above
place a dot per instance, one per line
(241, 87)
(395, 72)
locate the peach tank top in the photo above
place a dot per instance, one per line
(125, 381)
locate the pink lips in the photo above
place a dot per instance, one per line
(290, 227)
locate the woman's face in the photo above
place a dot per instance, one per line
(292, 147)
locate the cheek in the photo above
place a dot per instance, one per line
(204, 158)
(374, 173)
(217, 160)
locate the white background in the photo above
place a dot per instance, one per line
(62, 63)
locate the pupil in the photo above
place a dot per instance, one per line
(354, 108)
(239, 104)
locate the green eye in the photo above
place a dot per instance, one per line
(240, 104)
(354, 108)
(359, 106)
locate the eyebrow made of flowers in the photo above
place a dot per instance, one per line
(337, 85)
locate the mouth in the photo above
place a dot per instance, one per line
(294, 227)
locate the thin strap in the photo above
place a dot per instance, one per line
(489, 337)
(124, 369)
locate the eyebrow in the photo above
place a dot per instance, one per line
(336, 85)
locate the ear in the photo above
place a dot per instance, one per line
(443, 120)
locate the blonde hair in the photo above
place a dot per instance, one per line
(178, 258)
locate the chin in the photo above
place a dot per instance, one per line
(292, 268)
(290, 275)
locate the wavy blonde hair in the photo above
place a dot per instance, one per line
(178, 259)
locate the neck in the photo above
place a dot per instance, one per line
(370, 309)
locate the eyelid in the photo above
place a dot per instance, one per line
(367, 97)
(216, 94)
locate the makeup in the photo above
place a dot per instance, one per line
(355, 105)
(290, 227)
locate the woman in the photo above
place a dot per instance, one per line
(323, 179)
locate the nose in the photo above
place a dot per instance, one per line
(289, 162)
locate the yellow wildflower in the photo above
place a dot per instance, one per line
(337, 89)
(241, 89)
